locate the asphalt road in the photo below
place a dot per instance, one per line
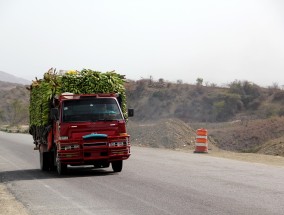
(153, 181)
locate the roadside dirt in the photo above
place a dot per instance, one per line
(8, 204)
(250, 157)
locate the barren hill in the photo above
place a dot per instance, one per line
(14, 105)
(6, 77)
(197, 103)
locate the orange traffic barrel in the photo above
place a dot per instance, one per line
(201, 145)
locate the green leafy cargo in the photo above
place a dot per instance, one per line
(86, 81)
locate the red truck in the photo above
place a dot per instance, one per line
(79, 128)
(87, 129)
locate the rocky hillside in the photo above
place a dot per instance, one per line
(14, 109)
(265, 136)
(198, 103)
(15, 99)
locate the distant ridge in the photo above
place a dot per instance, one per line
(6, 77)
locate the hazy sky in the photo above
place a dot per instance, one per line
(217, 40)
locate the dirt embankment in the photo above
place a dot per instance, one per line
(177, 135)
(166, 133)
(264, 136)
(258, 136)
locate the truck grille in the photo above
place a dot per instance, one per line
(94, 144)
(119, 151)
(68, 155)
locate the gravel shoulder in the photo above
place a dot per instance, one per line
(250, 157)
(8, 204)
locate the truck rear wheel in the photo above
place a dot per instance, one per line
(52, 164)
(44, 161)
(117, 166)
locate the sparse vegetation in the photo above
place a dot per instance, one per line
(14, 109)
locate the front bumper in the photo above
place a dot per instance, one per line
(92, 151)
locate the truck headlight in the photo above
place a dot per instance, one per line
(69, 147)
(117, 144)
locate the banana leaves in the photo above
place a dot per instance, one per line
(86, 81)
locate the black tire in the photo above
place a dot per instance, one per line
(52, 164)
(44, 161)
(117, 166)
(61, 168)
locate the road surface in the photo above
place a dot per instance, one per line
(153, 181)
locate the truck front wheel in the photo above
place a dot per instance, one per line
(117, 166)
(61, 168)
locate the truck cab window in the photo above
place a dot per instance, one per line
(91, 109)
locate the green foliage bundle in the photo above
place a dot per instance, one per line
(78, 82)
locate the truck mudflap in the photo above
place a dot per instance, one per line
(88, 151)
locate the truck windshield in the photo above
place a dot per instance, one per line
(91, 109)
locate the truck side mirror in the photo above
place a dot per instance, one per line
(54, 114)
(130, 112)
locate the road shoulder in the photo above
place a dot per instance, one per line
(250, 157)
(8, 204)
